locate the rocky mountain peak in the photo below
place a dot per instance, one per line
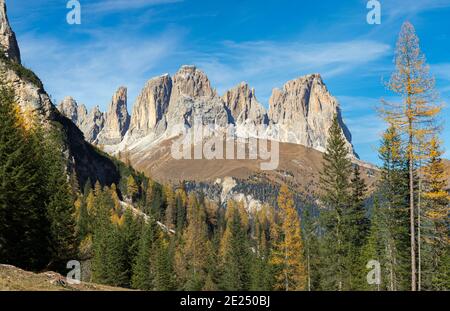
(301, 112)
(151, 106)
(90, 123)
(304, 110)
(69, 108)
(243, 105)
(8, 42)
(117, 119)
(191, 82)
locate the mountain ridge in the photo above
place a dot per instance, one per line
(300, 113)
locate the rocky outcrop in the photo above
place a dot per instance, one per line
(168, 106)
(82, 158)
(299, 113)
(8, 42)
(116, 120)
(150, 108)
(74, 112)
(243, 105)
(303, 111)
(193, 100)
(29, 95)
(91, 124)
(191, 82)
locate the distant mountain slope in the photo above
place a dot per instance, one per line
(299, 167)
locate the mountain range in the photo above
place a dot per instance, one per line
(299, 113)
(299, 116)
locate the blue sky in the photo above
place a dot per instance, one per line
(263, 42)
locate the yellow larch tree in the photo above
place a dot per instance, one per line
(287, 256)
(414, 115)
(436, 216)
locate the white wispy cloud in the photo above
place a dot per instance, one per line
(361, 117)
(266, 65)
(92, 71)
(442, 71)
(358, 104)
(395, 8)
(366, 129)
(110, 6)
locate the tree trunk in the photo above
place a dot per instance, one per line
(419, 233)
(309, 272)
(286, 269)
(411, 210)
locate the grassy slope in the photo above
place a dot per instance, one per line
(15, 279)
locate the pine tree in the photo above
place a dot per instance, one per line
(116, 260)
(170, 212)
(143, 272)
(157, 204)
(414, 116)
(163, 264)
(311, 248)
(106, 264)
(82, 218)
(181, 214)
(213, 263)
(261, 271)
(130, 231)
(374, 247)
(335, 182)
(23, 222)
(235, 252)
(357, 228)
(392, 220)
(60, 206)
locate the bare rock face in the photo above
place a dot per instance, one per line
(8, 42)
(187, 112)
(116, 121)
(191, 82)
(300, 113)
(30, 96)
(89, 123)
(304, 111)
(151, 106)
(243, 105)
(168, 106)
(193, 100)
(93, 124)
(71, 110)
